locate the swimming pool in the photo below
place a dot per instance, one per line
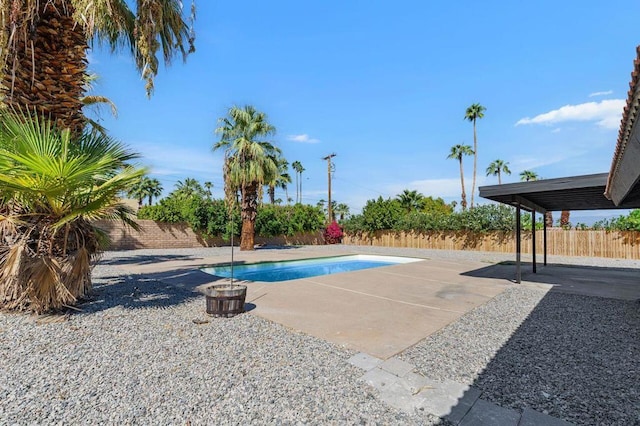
(295, 269)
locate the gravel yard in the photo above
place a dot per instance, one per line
(142, 352)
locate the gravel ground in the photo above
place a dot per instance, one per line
(570, 356)
(136, 356)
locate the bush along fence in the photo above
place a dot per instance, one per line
(158, 235)
(560, 242)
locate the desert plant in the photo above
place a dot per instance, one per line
(249, 161)
(472, 114)
(44, 48)
(52, 190)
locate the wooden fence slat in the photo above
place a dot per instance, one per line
(560, 242)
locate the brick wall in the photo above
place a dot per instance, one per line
(156, 235)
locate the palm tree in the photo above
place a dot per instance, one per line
(52, 189)
(189, 188)
(153, 188)
(280, 180)
(137, 191)
(208, 186)
(528, 175)
(297, 166)
(457, 152)
(498, 167)
(342, 210)
(44, 48)
(249, 161)
(472, 114)
(411, 200)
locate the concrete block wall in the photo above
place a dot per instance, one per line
(156, 235)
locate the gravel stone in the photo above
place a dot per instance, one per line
(144, 352)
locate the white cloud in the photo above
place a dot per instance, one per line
(303, 138)
(606, 114)
(605, 93)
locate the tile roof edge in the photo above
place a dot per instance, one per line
(629, 115)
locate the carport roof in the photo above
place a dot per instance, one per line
(569, 193)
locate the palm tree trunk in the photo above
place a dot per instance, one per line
(46, 74)
(464, 194)
(548, 218)
(297, 190)
(475, 161)
(272, 194)
(249, 212)
(499, 178)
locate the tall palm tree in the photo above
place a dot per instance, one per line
(411, 200)
(528, 175)
(498, 167)
(208, 186)
(249, 161)
(44, 48)
(52, 189)
(297, 166)
(280, 180)
(457, 152)
(473, 113)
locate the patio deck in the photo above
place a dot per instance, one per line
(382, 311)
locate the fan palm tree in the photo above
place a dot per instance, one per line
(52, 189)
(208, 186)
(249, 161)
(189, 188)
(411, 200)
(457, 152)
(528, 175)
(473, 113)
(297, 166)
(280, 180)
(153, 188)
(498, 167)
(44, 48)
(342, 210)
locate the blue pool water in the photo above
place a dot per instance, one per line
(295, 269)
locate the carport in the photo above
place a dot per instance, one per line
(618, 189)
(585, 192)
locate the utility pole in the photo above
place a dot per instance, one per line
(328, 158)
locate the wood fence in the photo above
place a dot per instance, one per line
(561, 242)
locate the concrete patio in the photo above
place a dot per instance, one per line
(382, 311)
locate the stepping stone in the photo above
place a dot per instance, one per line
(449, 399)
(535, 418)
(397, 396)
(379, 379)
(485, 413)
(397, 367)
(364, 361)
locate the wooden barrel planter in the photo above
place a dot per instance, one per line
(225, 300)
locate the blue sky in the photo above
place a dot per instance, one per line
(385, 86)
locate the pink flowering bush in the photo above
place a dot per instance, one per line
(333, 233)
